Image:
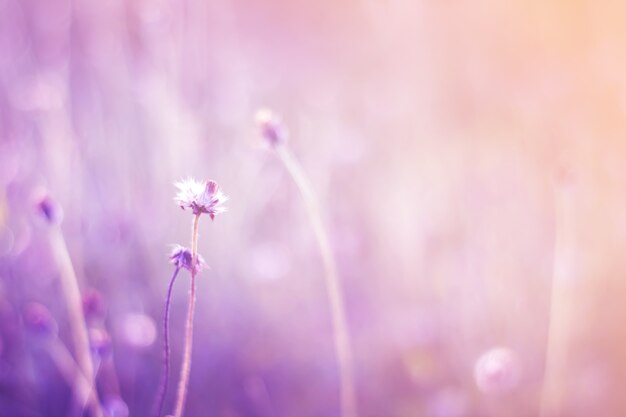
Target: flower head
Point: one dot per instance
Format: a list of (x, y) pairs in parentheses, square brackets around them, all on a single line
[(100, 342), (271, 127), (38, 319), (94, 305), (181, 258), (48, 208), (201, 197)]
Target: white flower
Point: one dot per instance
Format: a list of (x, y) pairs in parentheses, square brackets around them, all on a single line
[(201, 197)]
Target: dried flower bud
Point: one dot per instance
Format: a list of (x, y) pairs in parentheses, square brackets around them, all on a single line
[(38, 319), (94, 305), (48, 208), (271, 127), (100, 342), (181, 258)]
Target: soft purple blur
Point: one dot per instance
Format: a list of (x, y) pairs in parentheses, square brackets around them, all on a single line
[(469, 158)]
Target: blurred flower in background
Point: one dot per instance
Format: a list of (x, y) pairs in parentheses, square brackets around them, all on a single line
[(497, 370), (432, 134)]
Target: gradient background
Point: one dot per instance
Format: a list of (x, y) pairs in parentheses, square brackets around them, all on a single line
[(467, 155)]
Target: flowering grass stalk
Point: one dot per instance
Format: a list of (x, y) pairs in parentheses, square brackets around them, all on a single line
[(200, 197), (181, 257), (275, 134), (71, 292)]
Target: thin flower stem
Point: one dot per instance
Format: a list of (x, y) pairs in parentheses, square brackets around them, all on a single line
[(71, 292), (558, 324), (82, 388), (186, 366), (166, 345), (333, 286)]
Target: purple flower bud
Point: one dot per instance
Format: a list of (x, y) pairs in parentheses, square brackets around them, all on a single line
[(37, 319), (497, 370), (48, 209), (181, 258), (100, 342), (94, 305), (271, 128)]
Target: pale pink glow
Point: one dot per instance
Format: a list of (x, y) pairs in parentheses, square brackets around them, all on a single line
[(269, 262), (497, 370), (138, 330)]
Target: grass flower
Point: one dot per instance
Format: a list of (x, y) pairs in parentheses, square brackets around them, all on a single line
[(200, 197), (274, 133), (180, 257), (271, 127)]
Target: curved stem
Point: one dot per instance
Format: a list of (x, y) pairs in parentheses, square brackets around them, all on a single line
[(71, 292), (333, 286), (166, 346), (186, 366)]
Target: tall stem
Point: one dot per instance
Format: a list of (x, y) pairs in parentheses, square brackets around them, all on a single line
[(71, 292), (333, 286), (186, 366), (558, 321), (166, 346)]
